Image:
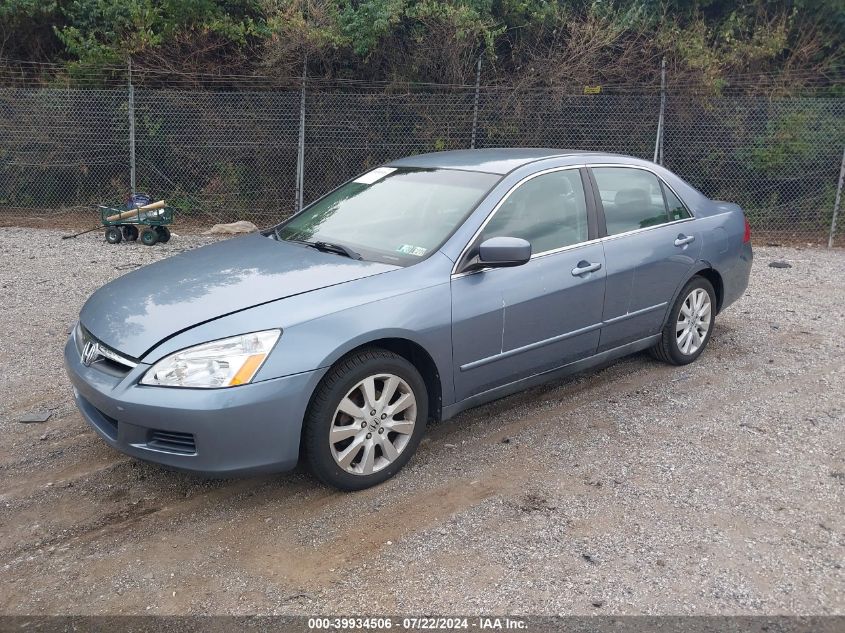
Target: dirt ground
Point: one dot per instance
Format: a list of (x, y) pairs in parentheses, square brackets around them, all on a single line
[(716, 488)]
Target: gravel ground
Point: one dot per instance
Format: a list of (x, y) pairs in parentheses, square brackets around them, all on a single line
[(716, 488)]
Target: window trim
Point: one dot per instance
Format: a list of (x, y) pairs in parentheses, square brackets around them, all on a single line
[(665, 201), (593, 226), (600, 207)]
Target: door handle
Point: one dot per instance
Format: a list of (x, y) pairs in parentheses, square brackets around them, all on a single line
[(683, 240), (585, 267)]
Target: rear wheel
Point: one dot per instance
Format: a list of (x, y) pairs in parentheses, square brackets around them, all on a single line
[(130, 232), (365, 420), (149, 237), (163, 234), (113, 235), (690, 324)]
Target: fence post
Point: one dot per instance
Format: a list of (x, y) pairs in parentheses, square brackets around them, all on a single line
[(131, 131), (837, 202), (300, 154), (475, 105), (658, 141)]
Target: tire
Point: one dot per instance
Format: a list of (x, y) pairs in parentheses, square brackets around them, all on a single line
[(679, 346), (149, 237), (130, 232), (113, 235), (163, 234), (368, 435)]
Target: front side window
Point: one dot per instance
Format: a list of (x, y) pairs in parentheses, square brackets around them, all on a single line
[(549, 211), (632, 199), (394, 215)]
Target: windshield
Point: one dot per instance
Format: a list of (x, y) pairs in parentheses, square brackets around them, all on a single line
[(393, 215)]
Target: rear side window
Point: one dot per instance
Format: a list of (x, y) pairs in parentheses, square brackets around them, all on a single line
[(677, 210), (632, 199), (549, 211)]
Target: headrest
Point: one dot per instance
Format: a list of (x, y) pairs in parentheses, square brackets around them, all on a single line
[(631, 196)]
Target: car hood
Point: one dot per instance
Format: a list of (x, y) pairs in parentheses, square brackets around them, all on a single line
[(134, 313)]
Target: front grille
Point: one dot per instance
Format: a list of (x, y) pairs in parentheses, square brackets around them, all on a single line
[(172, 442), (106, 358), (111, 367)]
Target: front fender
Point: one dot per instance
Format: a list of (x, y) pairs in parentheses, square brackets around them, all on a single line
[(422, 316)]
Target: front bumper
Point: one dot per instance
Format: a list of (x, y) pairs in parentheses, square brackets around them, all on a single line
[(219, 432)]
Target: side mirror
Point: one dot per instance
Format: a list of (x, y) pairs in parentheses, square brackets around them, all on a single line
[(501, 252)]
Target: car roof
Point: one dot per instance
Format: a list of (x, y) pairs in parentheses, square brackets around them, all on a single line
[(491, 160)]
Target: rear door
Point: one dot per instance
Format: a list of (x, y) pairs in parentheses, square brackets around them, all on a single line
[(651, 246), (510, 323)]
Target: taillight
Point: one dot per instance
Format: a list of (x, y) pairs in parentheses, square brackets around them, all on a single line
[(747, 235)]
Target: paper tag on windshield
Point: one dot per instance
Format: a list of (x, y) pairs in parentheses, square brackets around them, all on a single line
[(410, 249), (375, 175)]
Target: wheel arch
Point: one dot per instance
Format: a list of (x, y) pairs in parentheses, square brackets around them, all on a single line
[(412, 351), (701, 269), (712, 275)]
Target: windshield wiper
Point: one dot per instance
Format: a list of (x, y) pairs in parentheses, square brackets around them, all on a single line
[(326, 247), (340, 249), (329, 247)]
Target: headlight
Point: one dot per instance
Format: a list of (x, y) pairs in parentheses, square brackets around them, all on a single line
[(224, 363)]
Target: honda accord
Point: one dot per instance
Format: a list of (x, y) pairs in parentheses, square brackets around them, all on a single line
[(420, 288)]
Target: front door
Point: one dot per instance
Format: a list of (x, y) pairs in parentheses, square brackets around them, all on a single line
[(511, 323)]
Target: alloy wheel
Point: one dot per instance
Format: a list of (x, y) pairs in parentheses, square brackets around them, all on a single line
[(373, 424), (693, 321)]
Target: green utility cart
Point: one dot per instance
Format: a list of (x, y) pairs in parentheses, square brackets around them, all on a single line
[(123, 223)]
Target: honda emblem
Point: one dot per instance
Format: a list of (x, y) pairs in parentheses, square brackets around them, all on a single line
[(90, 353)]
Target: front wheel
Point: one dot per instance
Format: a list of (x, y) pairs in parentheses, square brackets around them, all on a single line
[(365, 420), (690, 324), (149, 237)]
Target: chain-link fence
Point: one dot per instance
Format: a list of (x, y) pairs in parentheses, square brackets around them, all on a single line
[(224, 155)]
